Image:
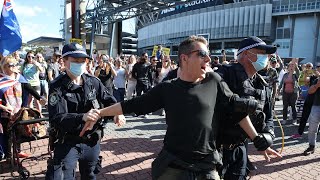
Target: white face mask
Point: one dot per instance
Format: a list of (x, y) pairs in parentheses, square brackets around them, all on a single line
[(261, 63), (77, 69)]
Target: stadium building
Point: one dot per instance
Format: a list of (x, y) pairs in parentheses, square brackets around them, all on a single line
[(293, 25)]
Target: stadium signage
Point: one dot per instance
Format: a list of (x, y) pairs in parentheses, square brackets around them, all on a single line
[(189, 6)]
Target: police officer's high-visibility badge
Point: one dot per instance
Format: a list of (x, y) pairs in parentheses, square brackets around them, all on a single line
[(53, 99)]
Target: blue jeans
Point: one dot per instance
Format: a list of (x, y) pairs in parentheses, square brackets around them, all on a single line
[(314, 120), (119, 94), (44, 89), (65, 161)]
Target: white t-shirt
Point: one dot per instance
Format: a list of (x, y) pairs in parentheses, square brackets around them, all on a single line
[(119, 80)]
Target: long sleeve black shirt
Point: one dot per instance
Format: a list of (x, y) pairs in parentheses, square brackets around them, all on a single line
[(190, 109)]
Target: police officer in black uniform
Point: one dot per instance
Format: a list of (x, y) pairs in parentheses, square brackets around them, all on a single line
[(244, 80), (73, 96)]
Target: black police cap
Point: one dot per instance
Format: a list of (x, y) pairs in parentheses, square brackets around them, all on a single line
[(74, 50), (257, 43)]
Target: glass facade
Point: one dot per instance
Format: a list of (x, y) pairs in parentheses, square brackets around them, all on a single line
[(295, 5)]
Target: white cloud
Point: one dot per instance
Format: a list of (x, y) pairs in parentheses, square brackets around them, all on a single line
[(29, 11), (31, 31)]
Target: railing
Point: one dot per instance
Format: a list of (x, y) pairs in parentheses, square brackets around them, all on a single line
[(295, 5)]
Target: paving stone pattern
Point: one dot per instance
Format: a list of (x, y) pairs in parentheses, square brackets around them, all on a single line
[(129, 151)]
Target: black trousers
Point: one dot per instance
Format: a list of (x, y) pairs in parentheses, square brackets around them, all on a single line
[(142, 88), (289, 99), (234, 163), (305, 113)]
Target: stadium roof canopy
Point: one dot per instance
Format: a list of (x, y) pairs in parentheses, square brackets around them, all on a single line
[(110, 11)]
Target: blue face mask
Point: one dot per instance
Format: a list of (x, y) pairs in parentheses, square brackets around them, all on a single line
[(77, 69), (261, 63)]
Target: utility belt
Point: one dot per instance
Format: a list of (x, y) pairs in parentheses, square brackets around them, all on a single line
[(166, 159), (90, 139), (232, 146), (189, 167)]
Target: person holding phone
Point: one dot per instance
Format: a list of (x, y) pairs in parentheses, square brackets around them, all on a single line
[(105, 72), (31, 70)]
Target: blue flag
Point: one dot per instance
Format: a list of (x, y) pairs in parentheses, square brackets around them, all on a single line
[(10, 36)]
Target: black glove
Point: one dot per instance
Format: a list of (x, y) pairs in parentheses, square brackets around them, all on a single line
[(262, 141), (270, 131)]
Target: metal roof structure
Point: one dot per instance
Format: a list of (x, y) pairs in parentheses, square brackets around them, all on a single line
[(111, 11), (46, 41)]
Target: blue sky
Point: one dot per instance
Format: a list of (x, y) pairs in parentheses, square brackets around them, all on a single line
[(42, 18), (38, 18)]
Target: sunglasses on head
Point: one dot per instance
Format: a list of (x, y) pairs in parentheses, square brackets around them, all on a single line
[(201, 53)]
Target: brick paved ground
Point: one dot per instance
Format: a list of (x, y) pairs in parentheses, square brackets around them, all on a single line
[(128, 152)]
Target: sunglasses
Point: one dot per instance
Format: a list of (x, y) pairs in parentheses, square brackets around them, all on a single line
[(11, 65), (274, 62), (201, 53), (30, 56)]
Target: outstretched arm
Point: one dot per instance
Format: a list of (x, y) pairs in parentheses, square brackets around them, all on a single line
[(113, 110), (259, 140)]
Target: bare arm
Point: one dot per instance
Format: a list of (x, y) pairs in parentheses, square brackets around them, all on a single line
[(113, 72), (314, 88), (50, 75), (113, 110), (97, 72), (247, 126)]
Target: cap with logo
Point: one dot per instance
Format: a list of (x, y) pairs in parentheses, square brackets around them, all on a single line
[(257, 43), (74, 50)]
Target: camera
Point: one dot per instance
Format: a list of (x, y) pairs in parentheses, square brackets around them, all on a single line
[(244, 105)]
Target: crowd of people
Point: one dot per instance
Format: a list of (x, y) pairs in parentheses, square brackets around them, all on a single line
[(193, 92)]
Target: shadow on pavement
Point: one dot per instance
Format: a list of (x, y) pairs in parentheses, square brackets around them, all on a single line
[(130, 158), (148, 120), (267, 169)]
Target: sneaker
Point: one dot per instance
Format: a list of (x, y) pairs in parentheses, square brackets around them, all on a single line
[(163, 113), (296, 136), (309, 150), (23, 155)]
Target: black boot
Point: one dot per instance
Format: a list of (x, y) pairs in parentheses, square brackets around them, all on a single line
[(309, 150), (251, 166)]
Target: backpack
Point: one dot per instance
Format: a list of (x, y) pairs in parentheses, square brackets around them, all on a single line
[(36, 130)]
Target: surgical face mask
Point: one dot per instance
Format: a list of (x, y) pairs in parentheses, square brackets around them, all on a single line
[(77, 69), (261, 63)]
